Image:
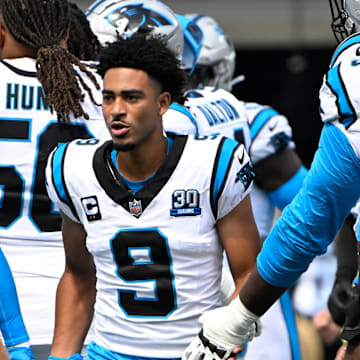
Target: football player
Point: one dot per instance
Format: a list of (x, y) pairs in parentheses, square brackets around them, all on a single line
[(313, 218), (46, 98), (146, 216), (211, 109), (210, 59)]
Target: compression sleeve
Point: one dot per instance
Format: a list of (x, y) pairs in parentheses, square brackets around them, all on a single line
[(11, 322), (310, 222), (283, 195)]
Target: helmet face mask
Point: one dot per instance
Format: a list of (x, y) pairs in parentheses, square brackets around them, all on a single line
[(345, 18), (217, 55), (112, 18)]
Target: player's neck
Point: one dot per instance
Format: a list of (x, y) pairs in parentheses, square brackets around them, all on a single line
[(14, 50), (142, 162)]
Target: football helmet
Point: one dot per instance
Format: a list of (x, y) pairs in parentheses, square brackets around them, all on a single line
[(193, 40), (110, 18), (216, 62), (345, 18)]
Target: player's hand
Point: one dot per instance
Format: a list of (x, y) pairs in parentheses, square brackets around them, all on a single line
[(225, 330), (339, 300)]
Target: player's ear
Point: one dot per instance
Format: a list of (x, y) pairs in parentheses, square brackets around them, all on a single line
[(164, 102)]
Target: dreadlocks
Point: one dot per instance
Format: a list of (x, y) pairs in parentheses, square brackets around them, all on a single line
[(82, 42), (42, 25)]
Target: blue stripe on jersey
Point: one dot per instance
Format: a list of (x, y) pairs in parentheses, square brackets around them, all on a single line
[(58, 159), (310, 222), (11, 322), (222, 166), (343, 46), (260, 120), (96, 352), (283, 195), (186, 112), (345, 108), (290, 320)]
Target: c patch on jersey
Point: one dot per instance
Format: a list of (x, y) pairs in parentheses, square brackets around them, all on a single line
[(91, 208), (185, 203), (135, 208)]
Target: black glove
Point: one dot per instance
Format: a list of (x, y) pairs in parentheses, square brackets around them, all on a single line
[(339, 299), (351, 327)]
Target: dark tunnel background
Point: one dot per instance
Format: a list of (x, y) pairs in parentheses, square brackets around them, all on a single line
[(289, 81)]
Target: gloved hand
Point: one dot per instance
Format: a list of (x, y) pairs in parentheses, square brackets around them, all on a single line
[(339, 300), (76, 356), (20, 353), (224, 329)]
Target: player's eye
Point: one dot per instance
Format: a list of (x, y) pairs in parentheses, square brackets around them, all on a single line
[(132, 97), (107, 98)]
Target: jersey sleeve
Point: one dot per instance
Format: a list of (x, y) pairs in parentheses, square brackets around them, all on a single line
[(232, 177), (55, 183), (270, 132), (179, 120), (339, 99), (311, 221)]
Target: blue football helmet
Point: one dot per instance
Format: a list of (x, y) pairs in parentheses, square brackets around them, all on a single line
[(111, 18), (193, 41), (216, 61)]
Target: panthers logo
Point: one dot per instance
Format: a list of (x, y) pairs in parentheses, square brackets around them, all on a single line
[(135, 18)]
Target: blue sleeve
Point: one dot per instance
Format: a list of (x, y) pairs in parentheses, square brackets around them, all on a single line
[(11, 323), (286, 192), (310, 222)]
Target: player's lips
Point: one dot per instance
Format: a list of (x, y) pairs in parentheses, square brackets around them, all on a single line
[(119, 128)]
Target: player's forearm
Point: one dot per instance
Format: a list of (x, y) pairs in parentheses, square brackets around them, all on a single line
[(11, 322), (75, 300), (258, 295), (3, 353)]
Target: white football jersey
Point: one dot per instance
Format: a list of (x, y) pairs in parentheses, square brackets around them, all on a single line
[(29, 223), (157, 255), (339, 93), (270, 131), (264, 132), (209, 111)]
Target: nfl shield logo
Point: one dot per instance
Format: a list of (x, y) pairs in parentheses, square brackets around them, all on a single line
[(135, 208)]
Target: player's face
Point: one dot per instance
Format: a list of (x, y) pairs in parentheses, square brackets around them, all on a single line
[(132, 106)]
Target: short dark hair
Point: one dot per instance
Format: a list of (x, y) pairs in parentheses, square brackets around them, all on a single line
[(149, 54), (42, 25)]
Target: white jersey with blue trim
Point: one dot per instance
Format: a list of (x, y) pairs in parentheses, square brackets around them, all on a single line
[(262, 129), (143, 309), (209, 111), (29, 223), (265, 133), (339, 93), (355, 211), (270, 131)]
